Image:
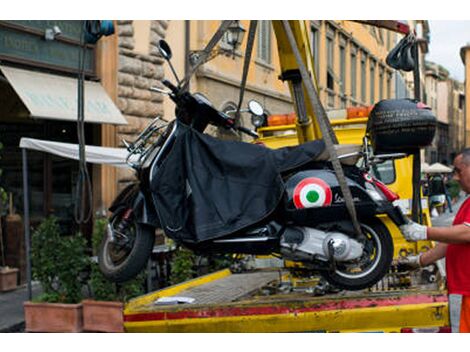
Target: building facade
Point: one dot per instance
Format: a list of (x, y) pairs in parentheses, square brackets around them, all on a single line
[(445, 96), (465, 56), (350, 63)]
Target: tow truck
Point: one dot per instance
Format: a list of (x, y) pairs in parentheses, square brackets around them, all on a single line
[(277, 299)]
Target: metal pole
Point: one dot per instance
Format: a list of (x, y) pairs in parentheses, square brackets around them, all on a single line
[(416, 209), (26, 222)]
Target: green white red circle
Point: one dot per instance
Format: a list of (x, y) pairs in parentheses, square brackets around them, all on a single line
[(312, 192)]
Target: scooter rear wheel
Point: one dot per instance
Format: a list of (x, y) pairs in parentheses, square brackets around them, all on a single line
[(125, 252), (372, 266)]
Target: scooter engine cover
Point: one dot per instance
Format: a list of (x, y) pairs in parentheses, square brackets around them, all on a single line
[(314, 196)]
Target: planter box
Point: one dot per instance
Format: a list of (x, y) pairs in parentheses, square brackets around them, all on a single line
[(8, 279), (53, 317), (103, 316)]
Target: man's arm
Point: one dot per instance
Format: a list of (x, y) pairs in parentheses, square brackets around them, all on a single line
[(452, 234), (433, 254)]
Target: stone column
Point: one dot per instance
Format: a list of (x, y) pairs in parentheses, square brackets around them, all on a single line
[(137, 72)]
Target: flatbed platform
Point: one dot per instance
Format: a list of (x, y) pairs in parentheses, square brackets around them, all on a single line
[(225, 302)]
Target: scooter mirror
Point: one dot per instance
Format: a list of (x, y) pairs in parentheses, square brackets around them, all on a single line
[(255, 108), (164, 49)]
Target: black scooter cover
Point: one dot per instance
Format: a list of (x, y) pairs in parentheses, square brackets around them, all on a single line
[(207, 188)]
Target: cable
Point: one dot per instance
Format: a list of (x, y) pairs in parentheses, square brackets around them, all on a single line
[(84, 196)]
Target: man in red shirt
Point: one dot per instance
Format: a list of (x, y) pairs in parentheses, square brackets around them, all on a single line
[(454, 243)]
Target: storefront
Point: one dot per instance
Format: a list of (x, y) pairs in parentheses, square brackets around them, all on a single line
[(39, 63)]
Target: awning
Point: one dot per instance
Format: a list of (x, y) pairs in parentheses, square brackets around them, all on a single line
[(53, 97), (96, 155)]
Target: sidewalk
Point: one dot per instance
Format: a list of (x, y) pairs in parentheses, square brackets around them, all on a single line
[(11, 308)]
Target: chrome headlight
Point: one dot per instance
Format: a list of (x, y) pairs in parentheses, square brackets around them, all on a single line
[(258, 121)]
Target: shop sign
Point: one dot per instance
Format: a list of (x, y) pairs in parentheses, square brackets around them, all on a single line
[(23, 42)]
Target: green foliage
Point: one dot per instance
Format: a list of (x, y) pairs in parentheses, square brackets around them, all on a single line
[(185, 265), (102, 289), (57, 262), (220, 262), (453, 188), (105, 290), (99, 230), (182, 266)]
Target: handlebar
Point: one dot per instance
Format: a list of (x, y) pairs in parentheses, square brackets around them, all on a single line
[(170, 85)]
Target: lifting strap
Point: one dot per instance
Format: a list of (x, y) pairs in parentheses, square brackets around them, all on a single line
[(325, 128), (204, 54), (246, 65)]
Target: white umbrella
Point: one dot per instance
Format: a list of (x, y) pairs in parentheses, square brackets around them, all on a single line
[(424, 166), (438, 168)]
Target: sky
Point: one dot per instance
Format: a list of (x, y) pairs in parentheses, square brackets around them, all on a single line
[(447, 37)]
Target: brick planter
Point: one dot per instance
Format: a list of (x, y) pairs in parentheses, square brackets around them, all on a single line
[(53, 317), (8, 279), (103, 316)]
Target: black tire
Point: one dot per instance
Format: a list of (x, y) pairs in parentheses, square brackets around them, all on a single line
[(122, 260), (378, 255)]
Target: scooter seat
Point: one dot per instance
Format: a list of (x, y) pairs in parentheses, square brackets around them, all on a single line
[(289, 158), (348, 154)]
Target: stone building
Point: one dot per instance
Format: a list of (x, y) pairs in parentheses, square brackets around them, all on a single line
[(465, 56), (445, 97)]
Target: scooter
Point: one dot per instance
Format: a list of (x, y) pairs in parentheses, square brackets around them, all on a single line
[(215, 196)]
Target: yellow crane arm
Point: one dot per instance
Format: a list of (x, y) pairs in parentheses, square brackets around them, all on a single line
[(307, 125)]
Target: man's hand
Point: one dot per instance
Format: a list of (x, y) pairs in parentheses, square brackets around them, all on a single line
[(411, 262), (414, 232)]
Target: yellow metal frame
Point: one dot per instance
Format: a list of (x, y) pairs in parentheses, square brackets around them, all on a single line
[(310, 130), (374, 319)]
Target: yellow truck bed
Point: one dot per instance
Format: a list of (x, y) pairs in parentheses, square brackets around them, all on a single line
[(225, 302)]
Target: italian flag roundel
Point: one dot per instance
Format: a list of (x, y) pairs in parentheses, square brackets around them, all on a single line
[(312, 192)]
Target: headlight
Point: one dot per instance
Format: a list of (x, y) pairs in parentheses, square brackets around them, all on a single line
[(258, 121)]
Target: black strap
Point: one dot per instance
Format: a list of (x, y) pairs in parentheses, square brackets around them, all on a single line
[(325, 128), (401, 56), (246, 64), (206, 52)]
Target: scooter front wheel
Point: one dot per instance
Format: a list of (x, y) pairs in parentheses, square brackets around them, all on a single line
[(125, 248), (372, 266)]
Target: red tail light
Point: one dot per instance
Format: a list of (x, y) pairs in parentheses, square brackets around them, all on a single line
[(389, 194)]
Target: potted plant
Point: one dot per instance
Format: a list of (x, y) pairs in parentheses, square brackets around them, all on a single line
[(104, 312), (57, 263)]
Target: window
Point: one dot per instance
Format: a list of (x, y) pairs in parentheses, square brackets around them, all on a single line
[(353, 72), (316, 48), (264, 41), (372, 82), (52, 179), (342, 68), (329, 63), (385, 171), (381, 82), (363, 77)]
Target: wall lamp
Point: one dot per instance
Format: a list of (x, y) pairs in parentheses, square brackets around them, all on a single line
[(52, 33), (230, 42)]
